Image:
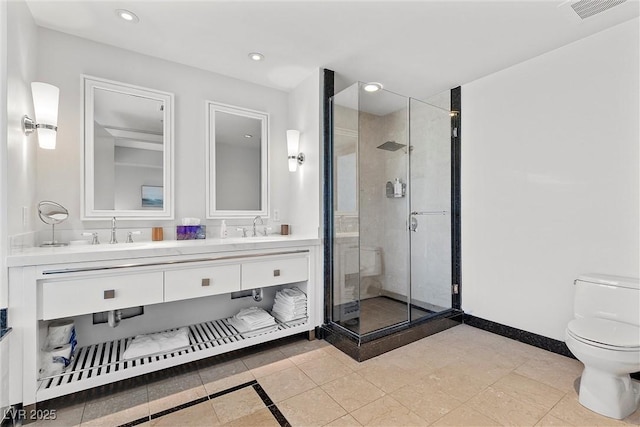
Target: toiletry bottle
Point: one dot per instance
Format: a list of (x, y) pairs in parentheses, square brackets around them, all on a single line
[(397, 188), (223, 229)]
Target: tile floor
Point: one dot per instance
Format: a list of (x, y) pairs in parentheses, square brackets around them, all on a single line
[(460, 377)]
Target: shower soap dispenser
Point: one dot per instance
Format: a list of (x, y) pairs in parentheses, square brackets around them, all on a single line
[(397, 188)]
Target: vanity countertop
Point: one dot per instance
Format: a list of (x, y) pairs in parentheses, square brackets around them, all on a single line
[(107, 252)]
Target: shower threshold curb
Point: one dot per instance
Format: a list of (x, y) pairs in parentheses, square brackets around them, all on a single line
[(362, 348)]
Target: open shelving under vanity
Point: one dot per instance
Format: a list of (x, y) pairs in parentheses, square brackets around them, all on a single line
[(197, 285)]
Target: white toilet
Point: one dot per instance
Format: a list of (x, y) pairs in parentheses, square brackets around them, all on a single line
[(605, 337)]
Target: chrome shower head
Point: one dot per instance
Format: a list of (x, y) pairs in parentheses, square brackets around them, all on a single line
[(391, 146)]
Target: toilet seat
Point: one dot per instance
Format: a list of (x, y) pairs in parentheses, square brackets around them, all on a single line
[(605, 333)]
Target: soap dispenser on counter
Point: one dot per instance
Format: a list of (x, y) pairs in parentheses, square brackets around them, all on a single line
[(223, 229)]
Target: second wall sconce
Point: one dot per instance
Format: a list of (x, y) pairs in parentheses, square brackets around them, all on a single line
[(45, 105), (293, 147)]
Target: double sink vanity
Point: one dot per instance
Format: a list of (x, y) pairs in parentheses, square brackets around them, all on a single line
[(197, 283)]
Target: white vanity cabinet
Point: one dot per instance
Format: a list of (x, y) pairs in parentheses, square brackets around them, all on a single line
[(202, 281), (190, 281), (83, 295)]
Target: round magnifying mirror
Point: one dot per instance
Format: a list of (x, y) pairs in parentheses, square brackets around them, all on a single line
[(52, 213)]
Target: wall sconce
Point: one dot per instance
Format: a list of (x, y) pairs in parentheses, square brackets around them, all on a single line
[(293, 145), (45, 104)]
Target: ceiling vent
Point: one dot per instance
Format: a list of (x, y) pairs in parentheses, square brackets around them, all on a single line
[(588, 8)]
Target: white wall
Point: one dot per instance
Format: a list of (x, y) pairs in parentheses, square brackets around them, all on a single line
[(18, 152), (550, 180), (4, 289), (63, 58), (304, 213)]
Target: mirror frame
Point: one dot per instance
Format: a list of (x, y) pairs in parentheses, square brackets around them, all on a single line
[(212, 211), (87, 182)]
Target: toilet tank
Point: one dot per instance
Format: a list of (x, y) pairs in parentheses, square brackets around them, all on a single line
[(608, 297)]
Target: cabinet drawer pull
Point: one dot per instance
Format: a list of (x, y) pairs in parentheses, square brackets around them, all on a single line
[(276, 273), (205, 282), (110, 294)]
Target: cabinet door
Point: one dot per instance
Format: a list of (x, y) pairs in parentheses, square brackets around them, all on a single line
[(201, 282), (274, 272), (77, 296)]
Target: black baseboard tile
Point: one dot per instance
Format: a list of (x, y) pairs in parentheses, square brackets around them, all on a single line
[(530, 338)]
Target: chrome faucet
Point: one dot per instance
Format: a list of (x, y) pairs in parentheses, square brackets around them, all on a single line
[(254, 225), (113, 231)]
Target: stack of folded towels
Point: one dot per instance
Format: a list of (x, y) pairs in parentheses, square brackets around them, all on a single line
[(253, 321), (290, 304)]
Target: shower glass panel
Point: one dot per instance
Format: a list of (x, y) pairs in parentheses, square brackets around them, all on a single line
[(391, 171), (371, 241), (430, 218)]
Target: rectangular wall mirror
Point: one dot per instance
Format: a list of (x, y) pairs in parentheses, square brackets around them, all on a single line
[(237, 162), (128, 151)]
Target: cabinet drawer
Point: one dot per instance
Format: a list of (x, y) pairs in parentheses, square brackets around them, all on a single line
[(274, 272), (96, 294), (201, 282)]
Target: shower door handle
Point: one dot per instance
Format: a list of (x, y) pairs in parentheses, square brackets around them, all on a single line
[(413, 223)]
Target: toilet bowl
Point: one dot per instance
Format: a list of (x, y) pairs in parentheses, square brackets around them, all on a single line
[(605, 337)]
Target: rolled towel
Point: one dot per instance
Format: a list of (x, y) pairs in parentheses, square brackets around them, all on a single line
[(161, 342)]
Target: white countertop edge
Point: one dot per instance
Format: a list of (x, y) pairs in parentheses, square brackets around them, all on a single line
[(106, 252)]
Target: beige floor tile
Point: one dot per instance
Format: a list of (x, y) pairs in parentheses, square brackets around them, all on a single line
[(529, 391), (237, 404), (346, 421), (555, 370), (465, 416), (426, 402), (324, 369), (411, 360), (455, 382), (551, 421), (285, 384), (260, 418), (198, 415), (171, 392), (267, 362), (505, 409), (117, 408), (387, 411), (387, 377), (572, 412), (343, 358), (305, 350), (311, 408), (224, 376), (352, 391)]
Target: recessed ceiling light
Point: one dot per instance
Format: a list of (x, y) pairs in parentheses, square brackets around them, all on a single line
[(372, 87), (256, 56), (127, 15), (248, 136)]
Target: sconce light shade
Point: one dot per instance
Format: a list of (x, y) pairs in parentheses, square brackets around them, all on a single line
[(45, 104), (293, 146)]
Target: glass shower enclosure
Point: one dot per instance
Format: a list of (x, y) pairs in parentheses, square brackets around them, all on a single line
[(392, 203)]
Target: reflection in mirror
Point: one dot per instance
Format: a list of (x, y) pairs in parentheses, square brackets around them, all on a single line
[(237, 162), (52, 213), (127, 151), (345, 144)]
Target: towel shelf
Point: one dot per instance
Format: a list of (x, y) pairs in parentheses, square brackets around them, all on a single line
[(102, 363)]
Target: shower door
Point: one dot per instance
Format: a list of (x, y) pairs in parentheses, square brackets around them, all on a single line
[(430, 207)]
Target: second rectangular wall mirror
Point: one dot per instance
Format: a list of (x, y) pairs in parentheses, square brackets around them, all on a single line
[(128, 151), (237, 162)]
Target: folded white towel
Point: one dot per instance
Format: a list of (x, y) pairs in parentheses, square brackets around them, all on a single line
[(247, 331), (255, 317), (161, 342)]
